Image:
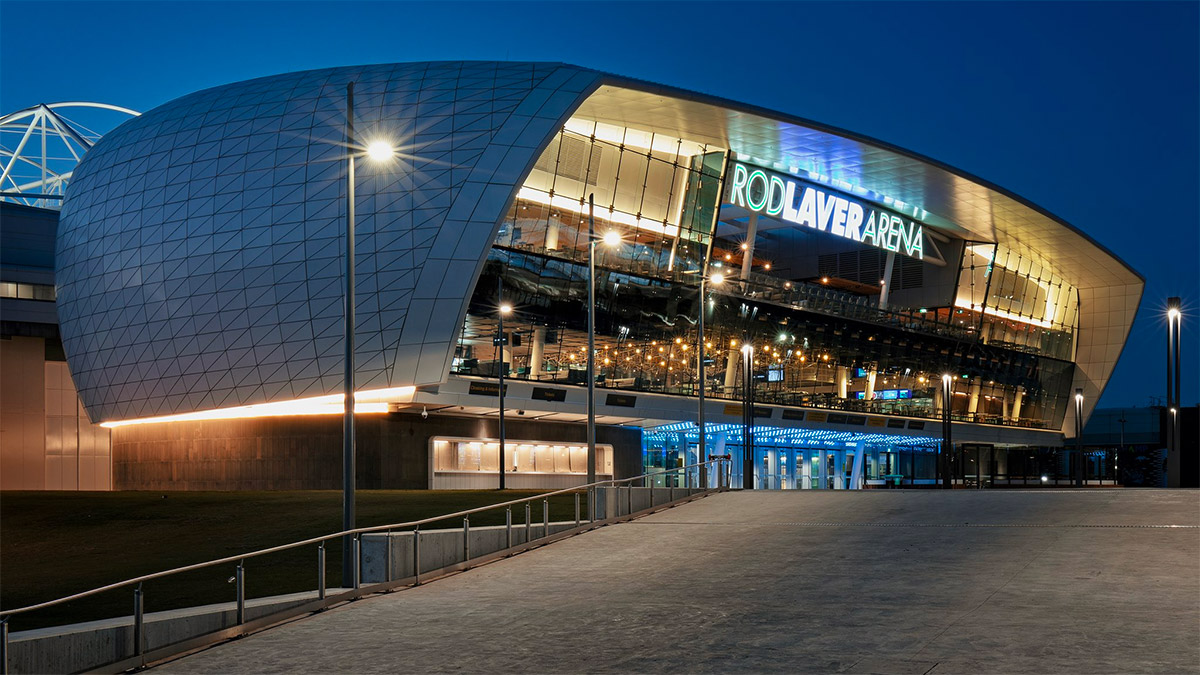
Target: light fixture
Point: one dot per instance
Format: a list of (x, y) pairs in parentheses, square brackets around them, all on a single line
[(380, 151), (611, 238), (505, 309), (717, 278)]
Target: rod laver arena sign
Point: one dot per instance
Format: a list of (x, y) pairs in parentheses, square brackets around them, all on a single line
[(795, 201)]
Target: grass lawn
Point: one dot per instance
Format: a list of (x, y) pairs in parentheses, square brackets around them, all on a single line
[(54, 544)]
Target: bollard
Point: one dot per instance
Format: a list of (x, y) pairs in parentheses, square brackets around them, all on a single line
[(357, 571), (466, 539), (241, 592), (417, 556), (508, 527), (546, 517), (576, 509), (321, 571), (138, 603)]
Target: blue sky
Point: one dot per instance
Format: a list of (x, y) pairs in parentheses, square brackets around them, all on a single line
[(1088, 109)]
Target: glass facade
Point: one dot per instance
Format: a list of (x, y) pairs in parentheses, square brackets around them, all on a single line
[(1005, 331)]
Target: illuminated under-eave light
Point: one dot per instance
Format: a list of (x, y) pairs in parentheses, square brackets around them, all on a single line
[(1003, 314), (365, 402)]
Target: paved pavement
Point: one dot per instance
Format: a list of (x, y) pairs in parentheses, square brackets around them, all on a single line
[(1089, 581)]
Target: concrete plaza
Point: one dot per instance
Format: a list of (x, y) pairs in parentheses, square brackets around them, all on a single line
[(1045, 581)]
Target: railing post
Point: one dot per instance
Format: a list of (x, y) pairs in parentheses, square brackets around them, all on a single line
[(357, 559), (528, 523), (466, 539), (592, 492), (508, 527), (576, 509), (671, 494), (546, 517), (139, 643), (240, 582), (630, 512), (387, 556), (417, 556), (4, 646), (321, 571)]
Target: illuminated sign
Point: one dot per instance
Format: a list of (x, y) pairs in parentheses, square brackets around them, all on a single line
[(886, 394), (795, 201)]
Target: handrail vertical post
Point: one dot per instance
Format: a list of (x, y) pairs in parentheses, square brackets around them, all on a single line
[(387, 556), (417, 556), (546, 517), (528, 523), (466, 539), (576, 509), (592, 492), (138, 605), (241, 592), (508, 527), (630, 500), (357, 560), (321, 571), (4, 646)]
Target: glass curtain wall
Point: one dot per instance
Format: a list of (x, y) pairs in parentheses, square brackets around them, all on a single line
[(661, 195)]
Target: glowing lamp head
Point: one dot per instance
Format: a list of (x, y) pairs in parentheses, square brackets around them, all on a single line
[(1173, 313), (747, 349), (506, 309), (717, 278), (380, 151), (946, 379), (611, 238)]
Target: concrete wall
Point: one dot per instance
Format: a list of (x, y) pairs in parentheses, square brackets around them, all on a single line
[(305, 452), (46, 439)]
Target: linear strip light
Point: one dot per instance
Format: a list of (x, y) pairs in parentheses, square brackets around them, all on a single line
[(1003, 314), (372, 401)]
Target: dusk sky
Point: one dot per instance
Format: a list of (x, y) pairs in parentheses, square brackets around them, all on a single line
[(1089, 110)]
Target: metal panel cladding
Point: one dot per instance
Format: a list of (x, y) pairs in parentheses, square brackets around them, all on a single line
[(199, 251)]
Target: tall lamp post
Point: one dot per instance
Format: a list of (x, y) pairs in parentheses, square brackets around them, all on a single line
[(378, 151), (501, 340), (1079, 437), (747, 414), (947, 441), (702, 449), (1174, 317), (610, 238)]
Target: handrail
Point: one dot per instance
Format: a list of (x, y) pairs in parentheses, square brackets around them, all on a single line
[(8, 613)]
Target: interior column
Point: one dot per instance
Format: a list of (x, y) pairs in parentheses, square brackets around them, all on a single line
[(537, 352), (872, 373), (843, 380), (748, 254), (973, 392)]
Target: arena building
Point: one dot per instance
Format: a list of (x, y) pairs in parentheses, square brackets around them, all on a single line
[(200, 285)]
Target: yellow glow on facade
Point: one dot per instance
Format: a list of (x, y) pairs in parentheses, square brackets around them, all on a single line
[(373, 401)]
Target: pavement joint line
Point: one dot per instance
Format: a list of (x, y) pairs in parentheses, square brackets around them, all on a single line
[(999, 525)]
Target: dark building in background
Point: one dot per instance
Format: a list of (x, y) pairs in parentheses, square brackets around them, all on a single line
[(1129, 445)]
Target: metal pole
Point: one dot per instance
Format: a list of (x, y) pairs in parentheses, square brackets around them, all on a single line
[(321, 571), (947, 441), (139, 643), (591, 336), (747, 414), (508, 527), (702, 448), (592, 504), (4, 646), (241, 592), (1176, 403), (466, 538), (546, 517), (1079, 437), (576, 509), (357, 560), (348, 477), (500, 367), (417, 556), (528, 523)]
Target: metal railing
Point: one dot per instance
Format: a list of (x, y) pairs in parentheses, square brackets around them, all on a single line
[(721, 469)]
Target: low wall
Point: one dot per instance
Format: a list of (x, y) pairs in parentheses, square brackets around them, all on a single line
[(440, 548), (86, 646)]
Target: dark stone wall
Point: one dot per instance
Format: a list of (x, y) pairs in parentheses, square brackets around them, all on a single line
[(305, 452)]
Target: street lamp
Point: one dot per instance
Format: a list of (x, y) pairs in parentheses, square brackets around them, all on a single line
[(378, 151), (702, 450), (947, 441), (1174, 320), (500, 341), (1079, 436), (747, 415), (611, 238)]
